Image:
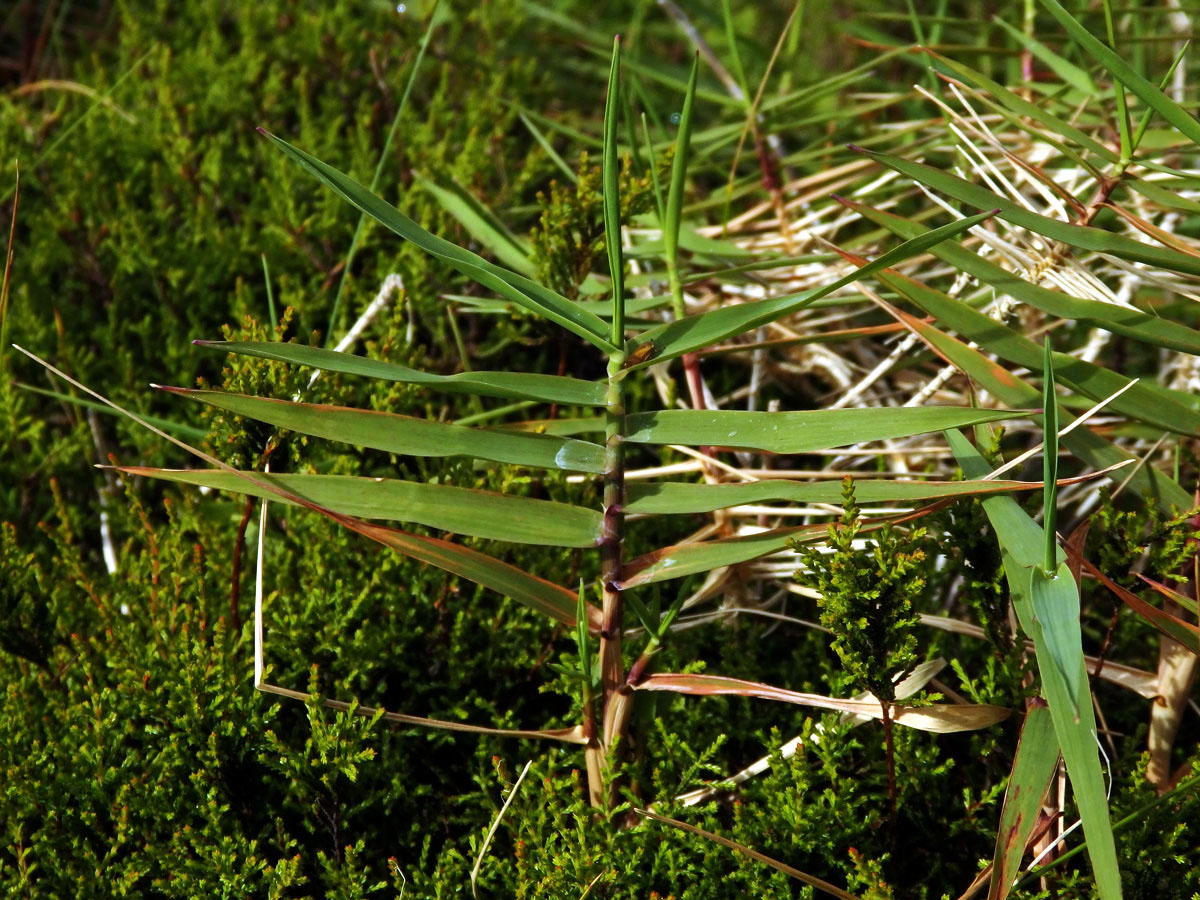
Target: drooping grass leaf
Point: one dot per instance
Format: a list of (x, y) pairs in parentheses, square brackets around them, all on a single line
[(1036, 759), (1047, 607), (407, 435), (509, 385), (465, 511), (938, 718), (1080, 237), (799, 432), (513, 287), (695, 332)]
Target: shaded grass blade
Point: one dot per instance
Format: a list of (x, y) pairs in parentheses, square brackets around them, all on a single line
[(482, 225), (474, 513), (409, 436), (508, 385)]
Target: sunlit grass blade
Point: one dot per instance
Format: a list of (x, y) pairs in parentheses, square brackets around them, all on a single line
[(674, 206), (513, 287), (1067, 71), (1082, 442), (611, 176), (474, 513), (536, 593), (1036, 759), (680, 560), (799, 432), (675, 497), (1143, 401), (1048, 610), (508, 385), (407, 435), (1117, 319), (940, 718), (1049, 456), (1112, 62), (695, 332), (1025, 109), (1080, 237), (482, 225), (803, 877)]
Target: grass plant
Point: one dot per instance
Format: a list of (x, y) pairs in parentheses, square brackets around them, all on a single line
[(637, 462)]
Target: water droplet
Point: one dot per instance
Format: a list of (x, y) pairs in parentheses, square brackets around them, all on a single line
[(401, 8), (675, 117)]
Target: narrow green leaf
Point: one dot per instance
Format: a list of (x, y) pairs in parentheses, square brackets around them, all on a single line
[(1055, 603), (464, 511), (674, 208), (1036, 759), (1121, 70), (1117, 319), (1049, 456), (513, 287), (482, 224), (1082, 442), (799, 432), (1024, 109), (611, 174), (1067, 71), (1051, 618), (676, 338), (509, 385), (690, 559), (409, 436), (675, 498), (1080, 237)]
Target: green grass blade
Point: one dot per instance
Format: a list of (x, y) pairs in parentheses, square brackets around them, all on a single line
[(474, 513), (1049, 455), (674, 208), (409, 436), (1082, 442), (1047, 607), (693, 558), (1067, 71), (1119, 320), (611, 175), (508, 385), (1146, 90), (482, 225), (695, 332), (1080, 237), (799, 432), (513, 287), (1037, 757), (678, 498)]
